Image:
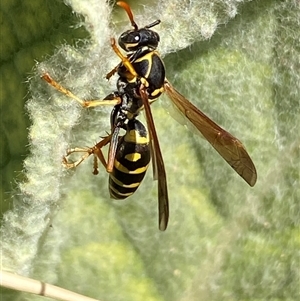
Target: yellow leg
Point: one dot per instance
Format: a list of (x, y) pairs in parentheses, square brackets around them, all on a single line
[(113, 71), (84, 103), (95, 150), (68, 164), (124, 59)]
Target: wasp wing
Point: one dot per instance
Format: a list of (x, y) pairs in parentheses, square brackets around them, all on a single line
[(159, 167), (229, 147)]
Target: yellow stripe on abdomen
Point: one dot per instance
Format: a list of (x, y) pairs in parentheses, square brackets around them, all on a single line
[(116, 181), (124, 169), (119, 195), (133, 136)]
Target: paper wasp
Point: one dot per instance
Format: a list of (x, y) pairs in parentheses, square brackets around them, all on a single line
[(141, 81)]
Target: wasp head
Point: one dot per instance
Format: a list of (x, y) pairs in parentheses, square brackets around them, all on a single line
[(132, 40)]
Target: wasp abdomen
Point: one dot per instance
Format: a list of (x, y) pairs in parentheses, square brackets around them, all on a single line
[(131, 161)]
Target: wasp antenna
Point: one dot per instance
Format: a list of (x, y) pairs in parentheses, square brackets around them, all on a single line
[(129, 13), (156, 22)]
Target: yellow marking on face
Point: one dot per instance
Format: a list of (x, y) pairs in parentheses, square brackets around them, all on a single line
[(122, 168), (132, 185), (130, 45), (133, 157), (133, 136)]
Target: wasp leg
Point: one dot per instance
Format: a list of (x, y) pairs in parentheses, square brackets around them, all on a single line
[(95, 150), (85, 103), (68, 164), (127, 64), (124, 59), (112, 72), (98, 153)]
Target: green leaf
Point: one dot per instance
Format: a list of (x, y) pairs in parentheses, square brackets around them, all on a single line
[(236, 61)]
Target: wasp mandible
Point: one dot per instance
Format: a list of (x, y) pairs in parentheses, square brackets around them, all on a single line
[(141, 81)]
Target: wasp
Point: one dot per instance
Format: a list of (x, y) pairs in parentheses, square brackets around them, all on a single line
[(141, 81)]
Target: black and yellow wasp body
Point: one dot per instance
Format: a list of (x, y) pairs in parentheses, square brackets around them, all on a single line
[(151, 70), (141, 46), (132, 153), (131, 160), (141, 81)]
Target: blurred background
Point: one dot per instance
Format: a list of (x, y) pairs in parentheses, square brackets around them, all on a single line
[(30, 31)]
